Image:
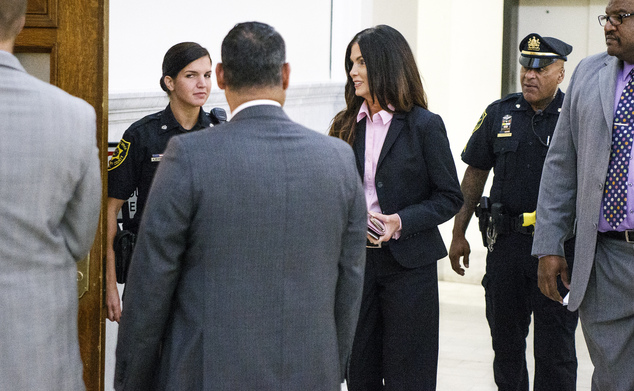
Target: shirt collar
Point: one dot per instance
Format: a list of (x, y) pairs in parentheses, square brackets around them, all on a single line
[(255, 102), (627, 67), (364, 112), (9, 60), (169, 122)]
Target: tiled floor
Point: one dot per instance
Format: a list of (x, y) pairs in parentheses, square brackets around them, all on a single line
[(466, 357), (465, 344)]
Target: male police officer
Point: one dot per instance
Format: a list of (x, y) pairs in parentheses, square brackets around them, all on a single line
[(512, 137)]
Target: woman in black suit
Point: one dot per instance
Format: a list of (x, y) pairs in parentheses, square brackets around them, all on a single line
[(411, 187)]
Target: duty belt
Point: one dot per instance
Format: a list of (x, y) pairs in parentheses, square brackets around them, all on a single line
[(494, 220), (514, 224)]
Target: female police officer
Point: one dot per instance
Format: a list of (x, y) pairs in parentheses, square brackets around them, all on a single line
[(187, 80)]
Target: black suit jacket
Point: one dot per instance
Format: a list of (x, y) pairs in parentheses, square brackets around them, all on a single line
[(416, 178)]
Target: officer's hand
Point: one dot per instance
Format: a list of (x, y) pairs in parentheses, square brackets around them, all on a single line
[(551, 266), (113, 303), (459, 248)]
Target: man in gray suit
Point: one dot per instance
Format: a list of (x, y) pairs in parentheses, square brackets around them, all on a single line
[(248, 269), (581, 192), (50, 195)]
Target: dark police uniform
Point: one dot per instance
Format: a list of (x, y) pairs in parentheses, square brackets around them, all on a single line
[(513, 140), (139, 152)]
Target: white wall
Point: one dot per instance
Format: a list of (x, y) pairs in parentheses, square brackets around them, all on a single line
[(460, 58), (141, 31), (400, 14), (348, 18)]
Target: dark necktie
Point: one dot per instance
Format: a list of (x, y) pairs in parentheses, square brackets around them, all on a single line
[(615, 196)]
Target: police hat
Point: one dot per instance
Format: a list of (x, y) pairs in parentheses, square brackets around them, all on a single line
[(538, 52)]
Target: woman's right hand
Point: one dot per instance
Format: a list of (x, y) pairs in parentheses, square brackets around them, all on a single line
[(392, 224)]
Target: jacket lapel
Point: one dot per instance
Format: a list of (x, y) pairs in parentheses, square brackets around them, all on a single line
[(398, 121), (359, 147), (607, 78)]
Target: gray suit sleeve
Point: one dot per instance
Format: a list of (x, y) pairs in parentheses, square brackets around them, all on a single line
[(558, 187), (351, 268), (79, 222)]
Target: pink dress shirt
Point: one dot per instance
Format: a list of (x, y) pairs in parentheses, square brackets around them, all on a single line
[(375, 132)]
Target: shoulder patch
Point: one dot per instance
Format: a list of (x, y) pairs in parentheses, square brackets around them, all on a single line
[(119, 154), (482, 117)]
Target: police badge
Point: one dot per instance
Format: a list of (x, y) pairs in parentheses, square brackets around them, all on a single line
[(505, 130)]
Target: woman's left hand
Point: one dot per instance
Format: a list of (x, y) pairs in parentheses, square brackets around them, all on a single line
[(392, 224)]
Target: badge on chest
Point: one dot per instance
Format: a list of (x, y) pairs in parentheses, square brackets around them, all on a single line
[(505, 129), (156, 157)]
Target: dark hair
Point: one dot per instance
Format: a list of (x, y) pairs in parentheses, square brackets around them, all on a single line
[(10, 12), (393, 77), (178, 57), (252, 56)]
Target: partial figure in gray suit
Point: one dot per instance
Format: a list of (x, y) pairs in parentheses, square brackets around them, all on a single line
[(50, 195), (248, 269), (584, 190)]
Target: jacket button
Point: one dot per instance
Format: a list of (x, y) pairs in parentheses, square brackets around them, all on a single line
[(379, 184)]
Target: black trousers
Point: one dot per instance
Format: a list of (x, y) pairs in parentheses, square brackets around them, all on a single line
[(512, 295), (396, 341)]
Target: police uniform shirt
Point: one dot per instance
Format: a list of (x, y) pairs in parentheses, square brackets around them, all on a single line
[(512, 139), (138, 154)]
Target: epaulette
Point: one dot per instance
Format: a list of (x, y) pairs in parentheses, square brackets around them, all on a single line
[(145, 120), (512, 96)]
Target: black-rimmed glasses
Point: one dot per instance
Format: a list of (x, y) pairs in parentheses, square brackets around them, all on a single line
[(615, 20)]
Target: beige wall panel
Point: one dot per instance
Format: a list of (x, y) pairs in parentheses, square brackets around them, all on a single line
[(460, 58)]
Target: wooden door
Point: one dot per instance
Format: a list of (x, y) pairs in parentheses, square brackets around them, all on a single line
[(67, 40)]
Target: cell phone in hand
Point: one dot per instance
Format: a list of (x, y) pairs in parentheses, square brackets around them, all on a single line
[(376, 228)]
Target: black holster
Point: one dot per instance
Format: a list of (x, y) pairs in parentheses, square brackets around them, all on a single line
[(123, 246), (483, 213)]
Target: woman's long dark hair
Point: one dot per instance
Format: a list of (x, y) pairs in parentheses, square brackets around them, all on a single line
[(393, 77)]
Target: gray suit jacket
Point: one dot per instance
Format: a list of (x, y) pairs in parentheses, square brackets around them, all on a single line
[(50, 195), (574, 174), (248, 269)]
